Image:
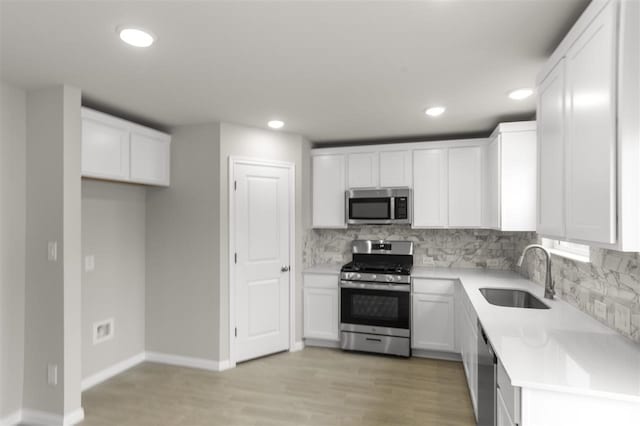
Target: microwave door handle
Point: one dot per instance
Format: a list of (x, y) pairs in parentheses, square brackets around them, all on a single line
[(346, 207), (392, 216)]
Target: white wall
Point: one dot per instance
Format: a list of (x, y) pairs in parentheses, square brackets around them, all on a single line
[(53, 213), (12, 246), (248, 142), (182, 249), (114, 232)]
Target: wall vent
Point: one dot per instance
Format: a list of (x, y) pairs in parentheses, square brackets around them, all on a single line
[(102, 331)]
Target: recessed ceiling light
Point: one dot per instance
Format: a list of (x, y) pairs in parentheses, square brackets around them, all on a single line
[(136, 37), (435, 111), (520, 94), (275, 124)]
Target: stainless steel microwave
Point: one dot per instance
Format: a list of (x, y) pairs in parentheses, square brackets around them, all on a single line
[(378, 206)]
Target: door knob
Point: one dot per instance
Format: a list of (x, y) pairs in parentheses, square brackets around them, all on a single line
[(284, 268)]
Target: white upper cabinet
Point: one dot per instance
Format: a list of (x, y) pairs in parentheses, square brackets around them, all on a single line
[(379, 169), (150, 155), (116, 149), (328, 181), (510, 178), (395, 168), (105, 147), (465, 187), (363, 170), (591, 132), (491, 207), (430, 188), (551, 136)]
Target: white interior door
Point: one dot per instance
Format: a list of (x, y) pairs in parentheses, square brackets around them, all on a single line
[(262, 247)]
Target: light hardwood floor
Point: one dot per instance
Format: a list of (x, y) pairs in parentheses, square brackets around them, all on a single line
[(312, 387)]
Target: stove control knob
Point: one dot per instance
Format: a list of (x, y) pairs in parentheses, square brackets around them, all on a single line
[(389, 278), (374, 276)]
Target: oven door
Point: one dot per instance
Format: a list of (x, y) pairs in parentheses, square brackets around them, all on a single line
[(375, 308)]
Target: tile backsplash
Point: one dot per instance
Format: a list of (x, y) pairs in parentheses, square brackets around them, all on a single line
[(612, 277), (449, 248)]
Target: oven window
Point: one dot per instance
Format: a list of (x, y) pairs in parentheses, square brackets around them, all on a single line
[(375, 307), (370, 208)]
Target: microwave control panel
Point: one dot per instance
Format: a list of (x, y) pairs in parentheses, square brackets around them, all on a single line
[(401, 207)]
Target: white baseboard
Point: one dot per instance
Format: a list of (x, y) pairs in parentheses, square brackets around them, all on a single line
[(446, 356), (297, 346), (40, 418), (224, 365), (12, 419), (322, 343), (185, 361), (43, 418), (114, 370), (73, 417)]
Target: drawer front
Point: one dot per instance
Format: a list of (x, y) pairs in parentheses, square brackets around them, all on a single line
[(433, 286), (510, 394), (320, 280)]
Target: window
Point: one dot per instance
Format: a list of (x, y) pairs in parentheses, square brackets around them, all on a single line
[(578, 252)]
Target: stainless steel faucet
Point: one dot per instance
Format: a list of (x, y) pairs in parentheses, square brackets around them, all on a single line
[(549, 286)]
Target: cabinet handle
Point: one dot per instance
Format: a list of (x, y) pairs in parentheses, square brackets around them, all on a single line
[(373, 340)]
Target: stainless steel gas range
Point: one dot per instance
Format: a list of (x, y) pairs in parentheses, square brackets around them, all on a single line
[(375, 298)]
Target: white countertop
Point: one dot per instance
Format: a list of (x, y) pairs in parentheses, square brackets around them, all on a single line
[(559, 349)]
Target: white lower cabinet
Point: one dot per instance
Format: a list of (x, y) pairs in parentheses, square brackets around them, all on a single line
[(468, 342), (433, 315), (321, 307)]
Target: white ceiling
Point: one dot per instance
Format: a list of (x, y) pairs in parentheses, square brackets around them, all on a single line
[(333, 71)]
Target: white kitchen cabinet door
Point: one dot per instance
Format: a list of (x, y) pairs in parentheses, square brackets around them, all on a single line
[(433, 322), (551, 144), (430, 188), (518, 181), (321, 313), (465, 187), (395, 169), (329, 191), (591, 132), (150, 156), (105, 147), (492, 190), (362, 170)]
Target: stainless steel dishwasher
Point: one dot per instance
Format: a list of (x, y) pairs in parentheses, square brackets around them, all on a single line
[(487, 376)]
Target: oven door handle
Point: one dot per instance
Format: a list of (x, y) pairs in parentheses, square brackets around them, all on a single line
[(367, 286)]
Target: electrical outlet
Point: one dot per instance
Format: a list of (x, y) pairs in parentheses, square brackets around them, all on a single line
[(493, 263), (52, 251), (89, 263), (103, 331), (52, 374), (623, 319), (600, 309), (427, 261)]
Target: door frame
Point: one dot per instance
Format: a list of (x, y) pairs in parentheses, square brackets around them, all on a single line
[(233, 162)]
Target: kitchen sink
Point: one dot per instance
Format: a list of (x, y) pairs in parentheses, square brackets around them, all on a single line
[(512, 298)]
